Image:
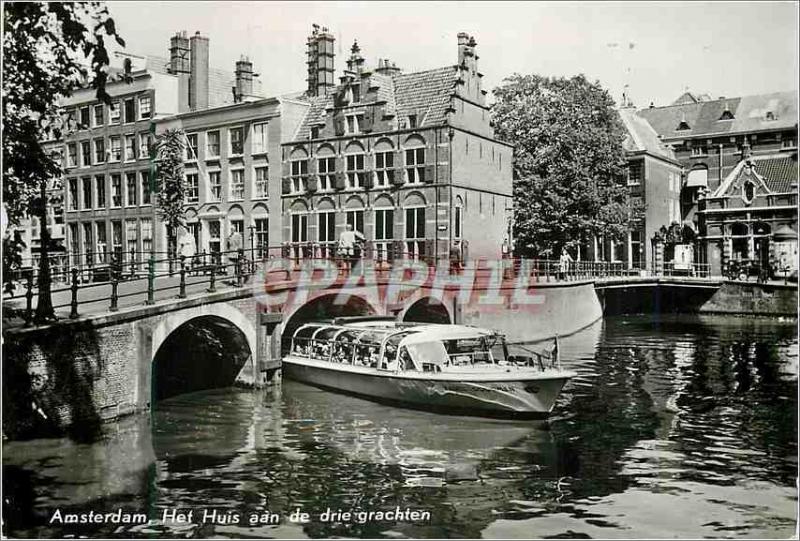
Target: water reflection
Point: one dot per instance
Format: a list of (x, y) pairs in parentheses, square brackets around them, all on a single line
[(674, 426)]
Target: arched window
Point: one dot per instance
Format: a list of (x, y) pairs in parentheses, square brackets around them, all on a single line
[(748, 191), (326, 168), (298, 170), (384, 163), (458, 217)]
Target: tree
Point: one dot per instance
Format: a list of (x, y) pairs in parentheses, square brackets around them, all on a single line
[(568, 161), (46, 48), (170, 185)]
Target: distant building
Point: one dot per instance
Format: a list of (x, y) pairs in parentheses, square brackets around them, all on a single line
[(407, 159)]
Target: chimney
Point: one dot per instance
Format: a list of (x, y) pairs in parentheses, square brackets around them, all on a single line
[(179, 64), (466, 51), (198, 81), (244, 79), (320, 58), (386, 68)]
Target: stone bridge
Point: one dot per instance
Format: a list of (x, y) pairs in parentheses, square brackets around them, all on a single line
[(77, 373)]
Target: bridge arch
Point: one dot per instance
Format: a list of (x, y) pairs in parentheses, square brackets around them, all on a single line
[(180, 363), (428, 310), (326, 306)]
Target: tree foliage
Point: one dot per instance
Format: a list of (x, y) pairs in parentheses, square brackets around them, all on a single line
[(170, 185), (568, 161), (49, 49)]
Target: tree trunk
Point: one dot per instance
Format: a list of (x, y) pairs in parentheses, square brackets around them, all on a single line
[(44, 306)]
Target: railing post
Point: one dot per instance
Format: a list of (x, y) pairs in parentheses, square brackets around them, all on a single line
[(133, 262), (114, 292), (29, 299), (212, 285), (238, 267), (73, 313), (151, 278), (182, 290)]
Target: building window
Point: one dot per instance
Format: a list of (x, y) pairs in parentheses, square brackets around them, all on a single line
[(237, 184), (790, 142), (326, 230), (415, 232), (73, 243), (116, 191), (699, 151), (144, 107), (131, 236), (72, 155), (144, 146), (326, 168), (298, 170), (98, 116), (130, 148), (192, 188), (384, 232), (262, 182), (132, 189), (214, 236), (130, 112), (634, 173), (355, 171), (457, 221), (88, 245), (84, 118), (315, 132), (116, 238), (353, 123), (100, 191), (116, 148), (215, 186), (355, 93), (102, 242), (237, 142), (113, 113), (412, 121), (86, 184), (191, 147), (355, 218), (144, 182), (259, 138), (262, 236), (212, 141), (415, 165), (147, 234), (299, 228), (99, 150), (683, 125), (86, 154), (384, 168)]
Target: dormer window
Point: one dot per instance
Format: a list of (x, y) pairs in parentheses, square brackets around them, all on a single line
[(353, 123), (355, 94), (683, 126), (412, 121), (770, 115), (315, 132), (748, 191), (726, 114)]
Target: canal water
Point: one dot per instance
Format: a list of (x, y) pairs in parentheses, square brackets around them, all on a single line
[(677, 426)]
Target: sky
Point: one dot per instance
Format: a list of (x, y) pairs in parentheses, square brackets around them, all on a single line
[(659, 49)]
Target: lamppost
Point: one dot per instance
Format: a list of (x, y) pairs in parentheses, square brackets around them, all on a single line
[(252, 229)]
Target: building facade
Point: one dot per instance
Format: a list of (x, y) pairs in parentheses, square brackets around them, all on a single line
[(407, 159)]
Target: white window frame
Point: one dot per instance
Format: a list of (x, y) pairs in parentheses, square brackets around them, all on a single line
[(208, 144), (84, 164), (115, 112), (383, 244), (129, 136), (143, 179), (192, 151), (111, 157), (631, 180), (327, 178), (230, 141), (102, 155), (126, 188), (94, 115), (72, 158), (417, 167), (297, 178), (256, 183), (355, 177), (127, 120), (413, 244), (102, 182), (383, 174), (259, 145), (234, 186), (144, 146), (141, 112), (354, 127), (121, 191), (211, 197), (193, 187)]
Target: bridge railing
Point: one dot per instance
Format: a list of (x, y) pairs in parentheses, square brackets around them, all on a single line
[(136, 277)]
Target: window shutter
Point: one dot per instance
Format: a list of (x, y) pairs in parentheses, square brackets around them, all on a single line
[(430, 177), (369, 180), (286, 185), (340, 181), (399, 176), (338, 124), (369, 120), (312, 166), (311, 183), (396, 250)]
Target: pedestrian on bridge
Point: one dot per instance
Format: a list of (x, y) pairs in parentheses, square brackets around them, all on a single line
[(564, 264), (348, 241)]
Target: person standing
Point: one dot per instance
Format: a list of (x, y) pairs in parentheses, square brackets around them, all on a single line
[(347, 244), (564, 263), (234, 248)]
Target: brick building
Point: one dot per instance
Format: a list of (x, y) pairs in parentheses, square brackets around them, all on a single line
[(408, 159), (739, 157), (107, 204)]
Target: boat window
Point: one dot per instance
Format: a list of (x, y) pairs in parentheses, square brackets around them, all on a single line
[(389, 359), (301, 342), (466, 351), (367, 355), (405, 360), (429, 355)]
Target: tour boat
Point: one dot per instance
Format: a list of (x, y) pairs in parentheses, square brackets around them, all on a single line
[(449, 368)]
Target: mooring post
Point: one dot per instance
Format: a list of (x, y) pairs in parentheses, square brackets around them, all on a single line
[(267, 361)]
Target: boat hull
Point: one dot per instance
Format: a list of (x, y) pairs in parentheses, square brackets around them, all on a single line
[(526, 397)]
